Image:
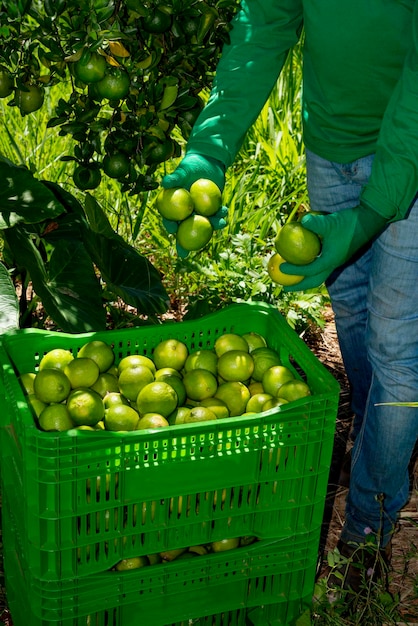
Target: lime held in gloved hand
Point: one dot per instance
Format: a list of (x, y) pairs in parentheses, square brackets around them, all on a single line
[(192, 215), (294, 244), (277, 276), (175, 204)]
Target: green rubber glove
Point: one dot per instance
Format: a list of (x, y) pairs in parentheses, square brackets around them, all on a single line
[(193, 167), (342, 233)]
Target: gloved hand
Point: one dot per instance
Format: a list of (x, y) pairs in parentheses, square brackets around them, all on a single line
[(193, 167), (343, 233), (218, 222), (190, 169)]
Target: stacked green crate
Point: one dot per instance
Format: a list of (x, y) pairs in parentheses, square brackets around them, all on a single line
[(78, 502)]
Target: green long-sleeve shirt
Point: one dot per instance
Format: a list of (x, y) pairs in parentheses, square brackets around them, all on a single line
[(360, 87)]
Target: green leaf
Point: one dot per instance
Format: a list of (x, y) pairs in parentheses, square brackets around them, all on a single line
[(67, 285), (9, 304), (97, 218), (410, 404), (127, 273), (23, 199), (68, 201)]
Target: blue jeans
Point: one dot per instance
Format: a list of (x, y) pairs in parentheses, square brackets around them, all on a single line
[(375, 302)]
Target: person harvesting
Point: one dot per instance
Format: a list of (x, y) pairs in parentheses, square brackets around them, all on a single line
[(360, 117)]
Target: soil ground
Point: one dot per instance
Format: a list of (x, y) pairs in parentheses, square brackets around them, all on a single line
[(404, 578)]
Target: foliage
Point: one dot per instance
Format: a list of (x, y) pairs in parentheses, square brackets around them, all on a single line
[(164, 54), (9, 305), (59, 244), (265, 186)]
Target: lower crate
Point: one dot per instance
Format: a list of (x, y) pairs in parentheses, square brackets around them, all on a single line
[(269, 582)]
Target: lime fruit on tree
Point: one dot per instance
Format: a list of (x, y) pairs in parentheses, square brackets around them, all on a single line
[(296, 244), (29, 98), (51, 385), (175, 204), (91, 68), (86, 177), (277, 276), (207, 197), (194, 233), (6, 82), (55, 417), (157, 397), (156, 21), (116, 165), (85, 407), (98, 351), (114, 85), (160, 152)]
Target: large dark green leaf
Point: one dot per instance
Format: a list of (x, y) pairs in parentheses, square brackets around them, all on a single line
[(23, 198), (9, 305), (97, 217), (127, 273), (67, 286), (68, 201)]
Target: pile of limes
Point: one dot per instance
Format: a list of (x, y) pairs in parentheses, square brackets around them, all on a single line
[(295, 244), (191, 210), (182, 554), (240, 375)]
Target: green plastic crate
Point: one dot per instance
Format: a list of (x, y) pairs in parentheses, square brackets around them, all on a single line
[(269, 582), (85, 500)]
